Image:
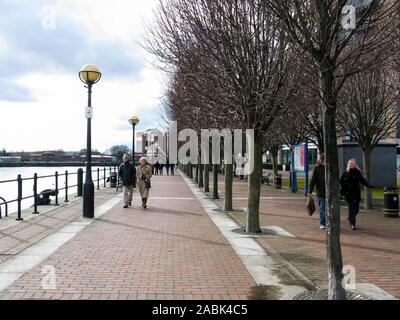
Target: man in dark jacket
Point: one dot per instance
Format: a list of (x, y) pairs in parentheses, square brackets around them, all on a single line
[(318, 182), (127, 174), (350, 188)]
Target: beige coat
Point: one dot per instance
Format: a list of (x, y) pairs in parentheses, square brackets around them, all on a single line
[(141, 173)]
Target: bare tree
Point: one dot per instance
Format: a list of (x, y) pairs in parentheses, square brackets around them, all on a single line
[(317, 27), (368, 111)]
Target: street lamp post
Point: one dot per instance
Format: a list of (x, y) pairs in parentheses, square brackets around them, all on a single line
[(133, 121), (89, 75)]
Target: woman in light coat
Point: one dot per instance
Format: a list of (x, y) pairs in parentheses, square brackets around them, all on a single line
[(144, 174)]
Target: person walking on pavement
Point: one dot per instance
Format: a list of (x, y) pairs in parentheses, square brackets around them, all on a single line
[(318, 182), (350, 188), (127, 174), (143, 173), (172, 166)]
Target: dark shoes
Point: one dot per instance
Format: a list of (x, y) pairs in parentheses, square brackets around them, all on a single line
[(144, 203), (130, 204), (353, 227), (125, 206)]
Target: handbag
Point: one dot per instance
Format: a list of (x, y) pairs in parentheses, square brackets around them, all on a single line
[(310, 205), (147, 182)]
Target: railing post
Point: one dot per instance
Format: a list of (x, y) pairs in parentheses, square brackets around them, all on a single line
[(80, 183), (104, 177), (35, 194), (19, 181), (66, 186), (98, 178), (56, 186)]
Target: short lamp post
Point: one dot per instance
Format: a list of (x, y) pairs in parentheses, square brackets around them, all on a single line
[(89, 75)]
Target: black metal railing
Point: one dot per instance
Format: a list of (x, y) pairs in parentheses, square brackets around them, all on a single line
[(79, 185)]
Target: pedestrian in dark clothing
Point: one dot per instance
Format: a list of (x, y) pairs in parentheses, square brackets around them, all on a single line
[(318, 182), (127, 174), (172, 169), (157, 168), (161, 169), (350, 188)]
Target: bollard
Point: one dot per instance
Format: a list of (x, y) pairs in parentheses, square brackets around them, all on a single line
[(80, 183), (104, 176), (66, 186), (56, 187), (98, 178), (19, 181), (35, 194)]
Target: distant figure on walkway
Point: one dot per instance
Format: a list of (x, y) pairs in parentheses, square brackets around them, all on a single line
[(156, 168), (127, 174), (143, 173), (161, 169), (318, 182), (172, 166), (167, 166), (350, 189)]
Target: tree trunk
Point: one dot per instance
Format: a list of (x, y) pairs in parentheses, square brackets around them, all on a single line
[(196, 178), (206, 178), (368, 205), (228, 206), (253, 216), (201, 177), (274, 168), (334, 251), (215, 181)]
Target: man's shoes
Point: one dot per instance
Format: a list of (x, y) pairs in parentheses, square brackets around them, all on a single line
[(322, 227), (353, 227), (125, 206)]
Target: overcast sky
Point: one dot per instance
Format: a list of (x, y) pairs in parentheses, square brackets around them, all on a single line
[(43, 45)]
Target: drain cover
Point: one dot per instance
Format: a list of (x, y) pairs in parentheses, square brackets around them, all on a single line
[(323, 295)]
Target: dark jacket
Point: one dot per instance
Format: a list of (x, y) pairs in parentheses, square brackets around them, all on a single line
[(127, 174), (318, 180), (350, 184)]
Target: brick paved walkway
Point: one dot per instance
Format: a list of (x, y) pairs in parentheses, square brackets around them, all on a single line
[(373, 250), (172, 250)]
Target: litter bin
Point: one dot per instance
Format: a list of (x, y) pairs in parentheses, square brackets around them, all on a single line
[(391, 202), (278, 182), (113, 179)]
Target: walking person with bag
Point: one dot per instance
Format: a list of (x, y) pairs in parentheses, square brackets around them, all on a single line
[(127, 174), (350, 188), (318, 182), (144, 174)]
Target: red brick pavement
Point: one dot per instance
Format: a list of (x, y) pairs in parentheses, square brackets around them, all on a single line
[(373, 250), (172, 250)]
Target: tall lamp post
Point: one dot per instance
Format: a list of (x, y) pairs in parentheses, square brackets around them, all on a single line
[(133, 121), (89, 75)]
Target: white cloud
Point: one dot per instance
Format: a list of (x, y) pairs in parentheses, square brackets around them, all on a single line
[(55, 120)]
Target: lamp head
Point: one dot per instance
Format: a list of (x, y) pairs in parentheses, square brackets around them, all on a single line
[(90, 74), (134, 120)]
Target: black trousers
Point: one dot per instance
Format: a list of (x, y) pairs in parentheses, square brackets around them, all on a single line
[(354, 208)]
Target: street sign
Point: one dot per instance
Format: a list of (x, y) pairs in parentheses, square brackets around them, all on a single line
[(88, 113)]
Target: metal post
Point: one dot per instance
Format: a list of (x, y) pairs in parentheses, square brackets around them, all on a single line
[(133, 152), (56, 175), (88, 186), (35, 194), (306, 168), (19, 181), (98, 178), (79, 183), (66, 186), (104, 177)]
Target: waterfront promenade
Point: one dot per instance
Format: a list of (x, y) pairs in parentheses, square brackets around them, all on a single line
[(182, 247)]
